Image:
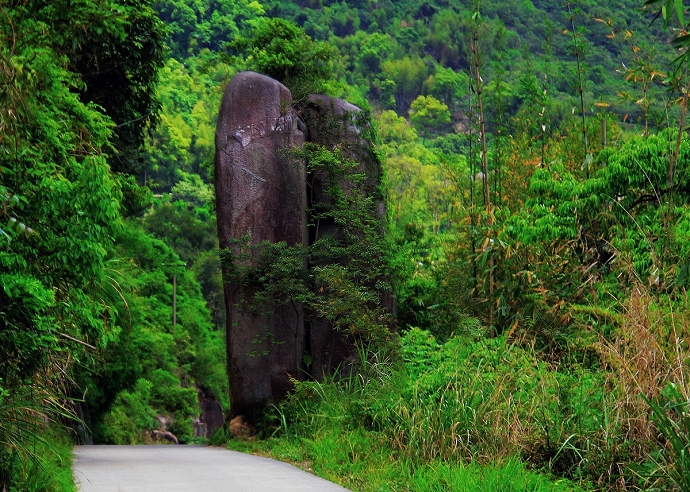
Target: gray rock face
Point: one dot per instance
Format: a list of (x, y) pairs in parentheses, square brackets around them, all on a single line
[(211, 418), (259, 194)]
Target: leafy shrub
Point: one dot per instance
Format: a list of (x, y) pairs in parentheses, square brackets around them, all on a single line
[(168, 394), (182, 427), (130, 416)]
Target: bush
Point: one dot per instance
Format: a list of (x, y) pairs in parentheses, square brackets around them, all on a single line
[(168, 395), (130, 416)]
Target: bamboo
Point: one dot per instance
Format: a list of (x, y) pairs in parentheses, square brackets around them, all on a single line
[(174, 307), (484, 157)]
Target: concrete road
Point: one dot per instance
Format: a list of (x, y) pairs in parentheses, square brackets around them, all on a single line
[(187, 469)]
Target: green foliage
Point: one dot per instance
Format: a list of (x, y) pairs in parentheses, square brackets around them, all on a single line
[(130, 416), (33, 452), (668, 10), (207, 272), (394, 129), (60, 209), (195, 25), (448, 85), (408, 76), (182, 144), (66, 206), (469, 392), (624, 209), (394, 51), (188, 229), (153, 369), (423, 195), (115, 48), (120, 71), (280, 49), (428, 113)]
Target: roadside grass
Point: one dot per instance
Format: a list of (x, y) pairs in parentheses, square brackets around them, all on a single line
[(481, 413), (35, 449), (458, 416), (49, 469), (363, 462)]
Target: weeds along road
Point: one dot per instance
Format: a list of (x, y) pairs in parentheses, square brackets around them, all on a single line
[(187, 469)]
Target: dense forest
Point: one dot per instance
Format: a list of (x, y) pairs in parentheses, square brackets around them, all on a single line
[(537, 237)]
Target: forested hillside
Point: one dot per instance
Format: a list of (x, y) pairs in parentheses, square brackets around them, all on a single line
[(537, 230)]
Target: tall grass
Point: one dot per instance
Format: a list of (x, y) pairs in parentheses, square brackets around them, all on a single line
[(35, 454), (48, 470), (672, 417), (487, 399), (648, 373), (454, 416)]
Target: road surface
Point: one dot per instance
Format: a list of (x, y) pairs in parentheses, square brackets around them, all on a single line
[(187, 469)]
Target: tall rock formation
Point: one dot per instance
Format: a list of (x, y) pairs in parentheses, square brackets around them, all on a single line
[(259, 195), (263, 195)]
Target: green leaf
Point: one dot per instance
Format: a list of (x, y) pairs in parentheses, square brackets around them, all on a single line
[(680, 11)]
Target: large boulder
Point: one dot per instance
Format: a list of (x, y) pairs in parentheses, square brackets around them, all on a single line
[(260, 194)]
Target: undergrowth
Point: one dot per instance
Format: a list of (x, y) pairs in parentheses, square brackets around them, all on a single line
[(481, 413), (362, 461), (448, 419)]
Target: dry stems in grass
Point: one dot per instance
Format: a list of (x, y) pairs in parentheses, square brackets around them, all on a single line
[(648, 352)]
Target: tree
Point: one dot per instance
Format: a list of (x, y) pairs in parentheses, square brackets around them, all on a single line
[(373, 51), (681, 42), (395, 129), (409, 75), (194, 25), (59, 196), (280, 49), (427, 113), (154, 368), (116, 48), (59, 192), (448, 85)]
